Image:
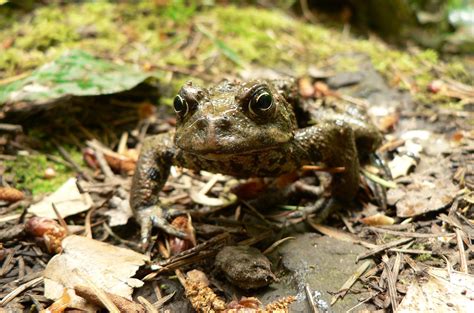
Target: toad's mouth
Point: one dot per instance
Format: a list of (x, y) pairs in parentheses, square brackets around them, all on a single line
[(223, 155)]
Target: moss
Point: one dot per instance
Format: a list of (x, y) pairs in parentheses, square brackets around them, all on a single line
[(28, 172), (424, 257), (150, 33)]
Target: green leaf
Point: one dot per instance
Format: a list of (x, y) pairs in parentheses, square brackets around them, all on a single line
[(75, 73)]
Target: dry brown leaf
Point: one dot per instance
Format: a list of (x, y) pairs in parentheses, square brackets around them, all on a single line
[(10, 194), (67, 199), (108, 267), (47, 231), (401, 165), (441, 291), (426, 194), (184, 224), (305, 87), (378, 219)]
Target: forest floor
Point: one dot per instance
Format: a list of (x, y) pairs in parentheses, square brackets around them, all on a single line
[(71, 131)]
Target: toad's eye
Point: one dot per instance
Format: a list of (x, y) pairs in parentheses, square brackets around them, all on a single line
[(180, 105), (261, 102)]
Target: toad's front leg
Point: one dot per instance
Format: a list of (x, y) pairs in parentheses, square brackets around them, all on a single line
[(151, 173), (332, 143)]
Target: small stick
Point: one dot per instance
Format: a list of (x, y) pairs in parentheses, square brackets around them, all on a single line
[(340, 169), (350, 281), (149, 308), (257, 213), (101, 295), (413, 251), (392, 276), (89, 293), (7, 262), (122, 146), (462, 252), (11, 128), (21, 267), (61, 220), (15, 292), (214, 179), (379, 180), (99, 154), (408, 234), (76, 167), (383, 247), (276, 244), (310, 299), (162, 300)]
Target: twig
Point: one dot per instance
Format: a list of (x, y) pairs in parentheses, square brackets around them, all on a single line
[(383, 247), (15, 292), (276, 244), (350, 281), (257, 213), (11, 128), (413, 251), (462, 252), (392, 275), (332, 170), (158, 304), (208, 186), (99, 154), (379, 180), (61, 220), (102, 296), (7, 262), (310, 299), (255, 239), (339, 234), (362, 302), (74, 165), (160, 266), (408, 234), (147, 305), (122, 304)]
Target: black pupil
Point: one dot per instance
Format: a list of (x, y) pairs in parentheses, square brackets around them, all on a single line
[(264, 101), (178, 104)]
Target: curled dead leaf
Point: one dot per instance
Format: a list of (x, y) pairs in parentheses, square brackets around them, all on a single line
[(202, 298), (46, 231), (377, 220), (321, 90), (120, 163), (177, 245), (10, 194), (305, 87)]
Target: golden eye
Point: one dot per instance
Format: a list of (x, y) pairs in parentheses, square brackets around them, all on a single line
[(261, 102), (180, 105)]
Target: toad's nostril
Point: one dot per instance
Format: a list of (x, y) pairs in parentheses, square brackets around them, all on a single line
[(202, 124), (223, 123)]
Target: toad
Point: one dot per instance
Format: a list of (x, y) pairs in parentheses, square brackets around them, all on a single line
[(250, 129)]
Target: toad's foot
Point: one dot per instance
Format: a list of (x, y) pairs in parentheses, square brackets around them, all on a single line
[(323, 208), (380, 191), (156, 216)]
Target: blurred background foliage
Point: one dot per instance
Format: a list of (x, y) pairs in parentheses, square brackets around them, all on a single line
[(213, 37), (444, 25)]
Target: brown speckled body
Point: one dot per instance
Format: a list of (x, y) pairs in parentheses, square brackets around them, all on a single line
[(250, 129)]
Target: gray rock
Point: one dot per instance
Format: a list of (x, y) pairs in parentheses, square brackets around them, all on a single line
[(245, 267), (321, 262)]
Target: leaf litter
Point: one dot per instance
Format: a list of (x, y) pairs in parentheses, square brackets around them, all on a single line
[(409, 228)]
